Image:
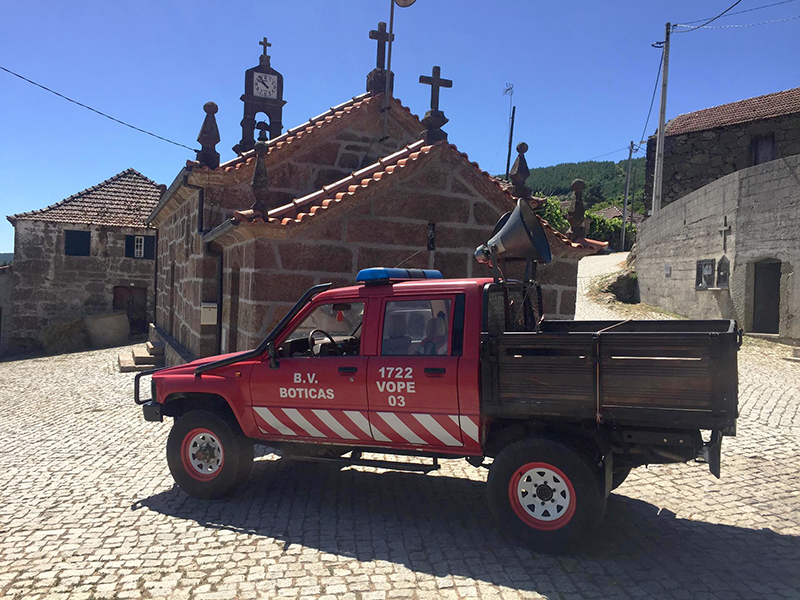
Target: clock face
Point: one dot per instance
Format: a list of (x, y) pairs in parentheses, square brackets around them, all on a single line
[(265, 85)]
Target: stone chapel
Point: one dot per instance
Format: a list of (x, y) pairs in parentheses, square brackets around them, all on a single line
[(366, 183)]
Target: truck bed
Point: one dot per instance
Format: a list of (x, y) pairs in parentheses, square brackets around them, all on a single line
[(674, 374)]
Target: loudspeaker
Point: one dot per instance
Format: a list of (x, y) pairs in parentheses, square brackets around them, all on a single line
[(518, 235)]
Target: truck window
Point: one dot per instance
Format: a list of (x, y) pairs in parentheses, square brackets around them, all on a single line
[(417, 327), (341, 321)]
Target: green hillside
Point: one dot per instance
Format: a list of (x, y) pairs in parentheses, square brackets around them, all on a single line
[(605, 181)]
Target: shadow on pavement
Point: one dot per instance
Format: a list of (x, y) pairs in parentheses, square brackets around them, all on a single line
[(441, 525)]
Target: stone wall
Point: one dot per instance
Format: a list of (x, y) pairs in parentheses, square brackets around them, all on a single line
[(761, 204), (692, 160), (383, 229), (50, 286), (6, 285)]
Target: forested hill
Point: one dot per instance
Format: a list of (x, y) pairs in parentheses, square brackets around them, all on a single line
[(603, 178)]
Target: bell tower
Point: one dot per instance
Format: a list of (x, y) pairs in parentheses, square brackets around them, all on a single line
[(263, 93)]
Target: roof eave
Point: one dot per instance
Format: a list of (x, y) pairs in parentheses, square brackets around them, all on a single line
[(178, 183)]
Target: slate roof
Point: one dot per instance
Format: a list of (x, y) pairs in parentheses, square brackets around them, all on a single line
[(743, 111), (124, 200), (318, 203)]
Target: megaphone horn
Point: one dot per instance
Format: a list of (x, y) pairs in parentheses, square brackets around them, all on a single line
[(518, 235)]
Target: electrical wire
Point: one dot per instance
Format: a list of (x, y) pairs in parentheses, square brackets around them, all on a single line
[(94, 110), (712, 19), (643, 137), (746, 24), (739, 12)]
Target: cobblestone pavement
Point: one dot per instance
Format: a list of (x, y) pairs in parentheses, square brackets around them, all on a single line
[(88, 510)]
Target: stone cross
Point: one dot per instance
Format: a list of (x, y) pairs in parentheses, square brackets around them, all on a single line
[(725, 230), (436, 82), (266, 45), (381, 36)]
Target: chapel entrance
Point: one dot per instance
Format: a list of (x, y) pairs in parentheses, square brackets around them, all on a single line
[(133, 300), (766, 296)]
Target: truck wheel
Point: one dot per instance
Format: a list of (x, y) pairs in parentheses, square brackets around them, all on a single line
[(618, 477), (545, 494), (207, 455)]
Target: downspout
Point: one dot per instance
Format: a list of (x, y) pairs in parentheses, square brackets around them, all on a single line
[(220, 271)]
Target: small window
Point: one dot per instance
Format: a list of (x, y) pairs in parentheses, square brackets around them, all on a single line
[(723, 272), (704, 278), (763, 149), (77, 243), (140, 246), (417, 327)]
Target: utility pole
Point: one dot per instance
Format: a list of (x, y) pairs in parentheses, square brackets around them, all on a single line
[(510, 138), (659, 168), (625, 202)]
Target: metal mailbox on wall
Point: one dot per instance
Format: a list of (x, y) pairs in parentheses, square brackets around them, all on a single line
[(208, 313)]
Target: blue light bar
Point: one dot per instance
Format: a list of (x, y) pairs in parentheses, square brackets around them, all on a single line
[(385, 275)]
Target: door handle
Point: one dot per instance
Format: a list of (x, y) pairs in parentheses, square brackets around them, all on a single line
[(435, 371), (348, 370)]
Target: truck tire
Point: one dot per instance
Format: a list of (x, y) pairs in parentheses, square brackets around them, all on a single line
[(208, 455), (619, 476), (565, 486)]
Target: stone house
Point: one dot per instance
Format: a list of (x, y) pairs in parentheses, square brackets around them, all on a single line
[(352, 188), (729, 250), (702, 146), (88, 254)]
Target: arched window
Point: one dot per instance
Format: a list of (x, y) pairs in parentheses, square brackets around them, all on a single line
[(723, 272)]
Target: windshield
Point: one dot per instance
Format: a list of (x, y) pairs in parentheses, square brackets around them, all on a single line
[(337, 319)]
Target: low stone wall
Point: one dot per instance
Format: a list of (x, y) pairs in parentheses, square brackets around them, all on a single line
[(761, 205)]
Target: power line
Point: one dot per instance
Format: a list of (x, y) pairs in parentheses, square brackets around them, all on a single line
[(652, 102), (606, 154), (94, 110), (711, 20), (740, 12), (745, 24)]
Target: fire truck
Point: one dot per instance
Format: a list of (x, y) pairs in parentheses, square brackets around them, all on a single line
[(408, 364)]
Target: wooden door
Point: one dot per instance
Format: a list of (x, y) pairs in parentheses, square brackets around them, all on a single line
[(133, 300)]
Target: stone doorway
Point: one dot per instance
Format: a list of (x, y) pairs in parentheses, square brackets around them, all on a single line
[(767, 296), (133, 300)]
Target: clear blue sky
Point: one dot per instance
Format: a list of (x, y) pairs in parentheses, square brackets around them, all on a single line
[(584, 72)]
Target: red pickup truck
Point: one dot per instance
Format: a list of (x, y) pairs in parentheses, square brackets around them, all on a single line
[(409, 364)]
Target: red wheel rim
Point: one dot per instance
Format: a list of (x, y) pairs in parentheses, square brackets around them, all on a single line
[(202, 454), (542, 496)]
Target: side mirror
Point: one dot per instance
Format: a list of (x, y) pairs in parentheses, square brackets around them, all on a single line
[(273, 356)]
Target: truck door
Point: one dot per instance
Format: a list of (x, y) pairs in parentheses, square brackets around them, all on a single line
[(317, 392), (412, 383)]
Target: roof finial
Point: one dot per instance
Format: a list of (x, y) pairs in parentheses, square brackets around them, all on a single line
[(209, 138), (577, 215), (434, 119), (519, 173), (260, 182), (376, 79)]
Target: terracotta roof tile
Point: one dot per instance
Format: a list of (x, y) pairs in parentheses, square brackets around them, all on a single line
[(743, 111), (124, 200), (311, 205), (311, 126)]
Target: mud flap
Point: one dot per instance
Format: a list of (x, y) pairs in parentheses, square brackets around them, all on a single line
[(712, 453)]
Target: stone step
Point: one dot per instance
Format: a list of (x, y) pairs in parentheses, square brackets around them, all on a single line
[(142, 357), (127, 365), (155, 349), (792, 359), (797, 352)]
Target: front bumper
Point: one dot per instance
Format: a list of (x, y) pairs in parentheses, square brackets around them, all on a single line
[(152, 411)]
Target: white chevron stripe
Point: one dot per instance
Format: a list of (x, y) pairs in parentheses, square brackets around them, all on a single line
[(467, 425), (265, 414), (360, 421), (333, 424), (436, 430), (301, 422), (393, 421)]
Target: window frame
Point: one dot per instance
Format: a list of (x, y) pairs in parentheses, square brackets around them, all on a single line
[(138, 246), (699, 282), (291, 327)]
